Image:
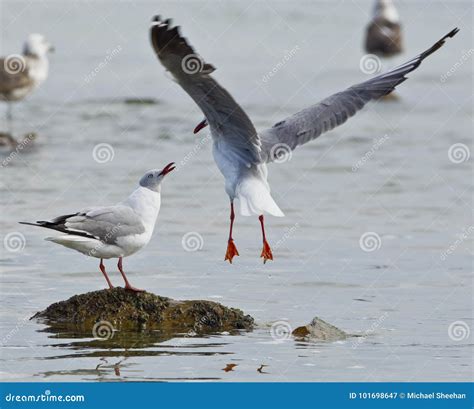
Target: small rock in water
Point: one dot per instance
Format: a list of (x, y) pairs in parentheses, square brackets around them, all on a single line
[(134, 312), (141, 101), (320, 330), (7, 139)]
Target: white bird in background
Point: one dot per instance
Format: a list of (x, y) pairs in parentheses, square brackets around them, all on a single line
[(239, 151), (21, 74), (113, 231), (384, 34)]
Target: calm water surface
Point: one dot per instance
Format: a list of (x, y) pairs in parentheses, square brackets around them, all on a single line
[(403, 297)]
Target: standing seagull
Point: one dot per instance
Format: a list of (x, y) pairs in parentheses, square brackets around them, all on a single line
[(113, 231), (21, 74), (240, 152), (384, 35)]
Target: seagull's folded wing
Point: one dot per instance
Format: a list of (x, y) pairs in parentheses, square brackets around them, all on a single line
[(106, 224), (192, 73), (333, 111), (14, 77)]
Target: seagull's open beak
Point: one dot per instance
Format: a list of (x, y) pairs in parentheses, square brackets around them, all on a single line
[(168, 168), (200, 126)]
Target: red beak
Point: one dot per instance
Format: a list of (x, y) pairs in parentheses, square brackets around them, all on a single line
[(200, 126), (168, 168)]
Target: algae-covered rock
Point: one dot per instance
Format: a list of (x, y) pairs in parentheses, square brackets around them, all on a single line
[(319, 330), (127, 311)]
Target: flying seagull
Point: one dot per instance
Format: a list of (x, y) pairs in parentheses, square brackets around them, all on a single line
[(113, 231), (240, 152), (384, 36), (21, 74)]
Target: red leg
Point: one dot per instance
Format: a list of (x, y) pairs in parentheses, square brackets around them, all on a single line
[(231, 249), (266, 251), (127, 284), (102, 268)]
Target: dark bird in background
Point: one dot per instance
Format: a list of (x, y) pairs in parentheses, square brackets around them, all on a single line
[(384, 34), (229, 367)]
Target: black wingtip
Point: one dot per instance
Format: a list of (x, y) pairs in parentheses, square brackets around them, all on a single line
[(438, 44), (453, 32), (29, 223)]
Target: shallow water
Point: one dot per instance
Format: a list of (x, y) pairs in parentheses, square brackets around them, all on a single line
[(402, 297)]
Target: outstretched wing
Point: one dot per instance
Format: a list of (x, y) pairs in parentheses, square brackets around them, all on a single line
[(106, 224), (333, 111), (227, 119)]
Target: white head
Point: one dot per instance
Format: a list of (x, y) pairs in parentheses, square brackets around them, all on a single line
[(387, 10), (37, 46), (153, 178)]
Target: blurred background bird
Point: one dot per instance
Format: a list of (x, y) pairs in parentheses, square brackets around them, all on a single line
[(20, 74), (384, 34)]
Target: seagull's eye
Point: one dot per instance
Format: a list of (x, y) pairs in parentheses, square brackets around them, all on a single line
[(150, 175)]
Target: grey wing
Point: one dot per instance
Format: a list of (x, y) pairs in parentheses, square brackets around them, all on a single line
[(12, 79), (333, 111), (106, 224), (224, 115)]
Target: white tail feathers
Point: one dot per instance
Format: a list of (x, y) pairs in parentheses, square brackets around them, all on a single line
[(255, 199)]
